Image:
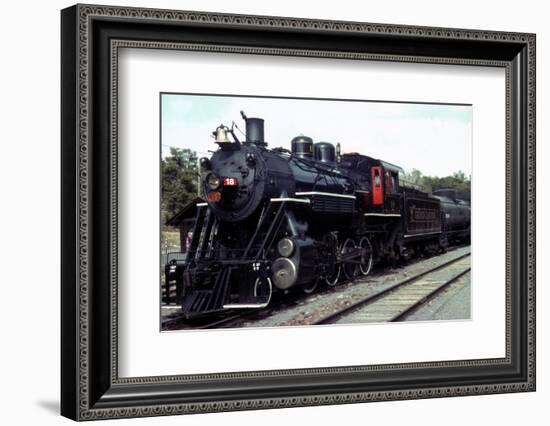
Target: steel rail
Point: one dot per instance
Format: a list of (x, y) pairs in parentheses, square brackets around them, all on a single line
[(400, 316), (330, 318)]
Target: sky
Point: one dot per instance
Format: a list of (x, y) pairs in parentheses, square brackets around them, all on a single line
[(433, 138)]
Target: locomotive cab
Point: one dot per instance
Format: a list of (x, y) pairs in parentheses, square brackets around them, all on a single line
[(378, 189), (391, 199)]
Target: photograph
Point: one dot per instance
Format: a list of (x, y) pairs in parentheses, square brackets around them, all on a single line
[(265, 209), (288, 212)]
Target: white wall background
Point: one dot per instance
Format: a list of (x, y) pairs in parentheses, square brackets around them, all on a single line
[(29, 212)]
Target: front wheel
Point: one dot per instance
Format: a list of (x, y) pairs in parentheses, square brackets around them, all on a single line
[(331, 274), (366, 256), (350, 267), (263, 289), (310, 287)]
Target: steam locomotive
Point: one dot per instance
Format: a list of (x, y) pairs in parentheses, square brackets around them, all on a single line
[(275, 219)]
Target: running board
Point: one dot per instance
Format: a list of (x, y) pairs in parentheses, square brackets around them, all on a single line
[(245, 305), (248, 305)]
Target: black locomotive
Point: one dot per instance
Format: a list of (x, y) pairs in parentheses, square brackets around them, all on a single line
[(275, 219)]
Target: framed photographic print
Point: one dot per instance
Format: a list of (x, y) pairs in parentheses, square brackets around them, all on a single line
[(331, 215), (264, 212)]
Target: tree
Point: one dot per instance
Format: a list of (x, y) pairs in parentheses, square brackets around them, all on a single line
[(179, 179), (414, 177), (457, 181)]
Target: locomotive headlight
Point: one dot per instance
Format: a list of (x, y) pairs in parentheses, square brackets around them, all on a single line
[(285, 247), (213, 181)]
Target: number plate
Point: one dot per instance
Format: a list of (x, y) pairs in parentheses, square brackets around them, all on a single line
[(230, 181), (214, 196)]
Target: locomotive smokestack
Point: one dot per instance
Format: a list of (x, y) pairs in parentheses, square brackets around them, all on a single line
[(254, 130)]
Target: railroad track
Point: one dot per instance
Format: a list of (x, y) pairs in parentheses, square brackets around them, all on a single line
[(394, 303), (233, 319), (229, 319), (223, 322), (174, 322)]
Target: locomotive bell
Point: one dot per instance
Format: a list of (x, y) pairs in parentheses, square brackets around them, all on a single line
[(221, 134)]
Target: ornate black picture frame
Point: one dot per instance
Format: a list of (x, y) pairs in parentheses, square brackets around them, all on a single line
[(91, 36)]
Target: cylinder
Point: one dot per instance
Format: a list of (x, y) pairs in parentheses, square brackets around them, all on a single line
[(255, 131), (302, 147), (324, 152)]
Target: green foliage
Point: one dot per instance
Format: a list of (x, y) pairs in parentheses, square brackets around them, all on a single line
[(458, 181), (179, 181)]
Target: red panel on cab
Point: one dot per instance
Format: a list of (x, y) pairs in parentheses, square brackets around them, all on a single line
[(377, 189)]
